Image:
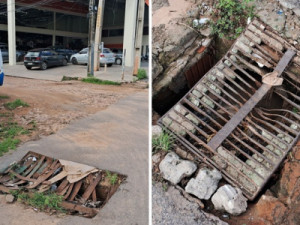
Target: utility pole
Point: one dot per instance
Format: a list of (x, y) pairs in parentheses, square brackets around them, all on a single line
[(90, 66), (98, 34), (139, 36)]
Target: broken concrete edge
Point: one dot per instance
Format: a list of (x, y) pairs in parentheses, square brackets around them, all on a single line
[(229, 199)]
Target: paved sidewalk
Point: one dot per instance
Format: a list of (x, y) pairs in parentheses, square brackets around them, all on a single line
[(113, 73), (114, 139)]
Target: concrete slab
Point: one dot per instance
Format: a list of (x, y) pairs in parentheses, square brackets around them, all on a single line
[(115, 139), (113, 73)]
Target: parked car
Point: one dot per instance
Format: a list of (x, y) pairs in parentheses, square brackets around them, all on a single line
[(106, 57), (44, 58), (5, 53), (119, 55), (63, 51)]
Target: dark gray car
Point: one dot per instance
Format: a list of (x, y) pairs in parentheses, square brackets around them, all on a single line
[(44, 58)]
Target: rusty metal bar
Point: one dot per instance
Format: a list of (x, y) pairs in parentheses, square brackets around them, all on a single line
[(238, 117)]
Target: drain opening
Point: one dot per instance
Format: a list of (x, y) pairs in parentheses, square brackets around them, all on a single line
[(83, 189), (227, 120), (163, 102)]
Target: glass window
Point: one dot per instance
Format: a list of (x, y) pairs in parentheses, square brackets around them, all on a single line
[(46, 53), (72, 23), (33, 54), (31, 17), (3, 13)]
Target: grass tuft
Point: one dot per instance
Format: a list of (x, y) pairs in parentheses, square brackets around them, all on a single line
[(15, 104), (65, 78), (4, 97), (8, 144), (8, 132), (113, 178), (94, 80), (164, 141), (40, 201), (142, 74)]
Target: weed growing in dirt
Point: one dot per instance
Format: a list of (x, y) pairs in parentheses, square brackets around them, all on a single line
[(231, 17), (164, 142), (15, 104), (94, 80), (40, 201), (65, 78), (8, 132), (113, 178), (142, 74), (4, 97), (8, 144)]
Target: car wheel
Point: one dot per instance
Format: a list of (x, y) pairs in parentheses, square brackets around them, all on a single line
[(44, 66), (64, 62), (109, 65), (74, 61), (28, 67), (118, 61)]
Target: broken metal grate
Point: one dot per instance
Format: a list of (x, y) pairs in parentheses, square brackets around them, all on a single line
[(85, 189), (233, 121)]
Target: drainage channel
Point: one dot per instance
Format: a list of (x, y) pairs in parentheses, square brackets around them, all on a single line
[(84, 189), (243, 116)]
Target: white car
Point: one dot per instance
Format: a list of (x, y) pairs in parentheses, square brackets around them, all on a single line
[(106, 57)]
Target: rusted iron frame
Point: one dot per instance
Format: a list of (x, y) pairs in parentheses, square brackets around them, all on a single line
[(271, 126), (198, 140), (250, 148), (201, 112), (235, 137), (266, 54), (256, 82), (200, 121), (235, 83), (223, 92), (290, 93), (290, 130), (291, 83), (284, 119), (244, 164), (221, 98), (287, 100), (248, 194), (287, 111), (260, 136), (230, 88), (249, 65), (259, 60), (202, 132), (260, 51), (244, 154), (203, 104), (266, 38), (238, 117), (256, 143)]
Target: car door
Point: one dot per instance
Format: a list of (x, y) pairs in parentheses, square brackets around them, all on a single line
[(83, 56), (56, 60)]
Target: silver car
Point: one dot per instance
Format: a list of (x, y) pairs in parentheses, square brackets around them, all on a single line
[(106, 57)]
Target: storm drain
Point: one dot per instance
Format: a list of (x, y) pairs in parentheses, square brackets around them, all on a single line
[(84, 189), (243, 116)]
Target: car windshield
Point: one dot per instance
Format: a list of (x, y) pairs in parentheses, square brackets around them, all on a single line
[(33, 54)]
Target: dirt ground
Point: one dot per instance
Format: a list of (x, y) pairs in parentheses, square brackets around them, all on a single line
[(53, 105)]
